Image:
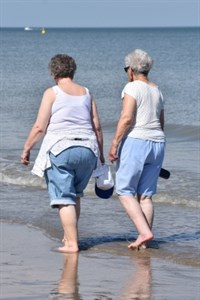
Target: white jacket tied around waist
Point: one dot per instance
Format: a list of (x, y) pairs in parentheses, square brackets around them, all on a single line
[(56, 142)]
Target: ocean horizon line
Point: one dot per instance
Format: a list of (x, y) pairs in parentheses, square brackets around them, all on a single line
[(100, 27)]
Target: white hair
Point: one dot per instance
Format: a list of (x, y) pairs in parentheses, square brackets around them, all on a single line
[(139, 61)]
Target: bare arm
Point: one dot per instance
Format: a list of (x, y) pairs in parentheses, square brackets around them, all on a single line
[(40, 125), (97, 129), (162, 119), (124, 123)]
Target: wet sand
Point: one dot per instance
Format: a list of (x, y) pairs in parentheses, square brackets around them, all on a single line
[(32, 269)]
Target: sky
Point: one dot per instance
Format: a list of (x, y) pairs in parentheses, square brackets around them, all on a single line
[(99, 13)]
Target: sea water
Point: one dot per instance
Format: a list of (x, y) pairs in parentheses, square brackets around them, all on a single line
[(99, 54)]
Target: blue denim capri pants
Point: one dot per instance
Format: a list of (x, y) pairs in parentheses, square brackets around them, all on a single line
[(138, 166), (69, 175)]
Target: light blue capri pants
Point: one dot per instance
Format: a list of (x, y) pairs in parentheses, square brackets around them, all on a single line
[(138, 166), (69, 175)]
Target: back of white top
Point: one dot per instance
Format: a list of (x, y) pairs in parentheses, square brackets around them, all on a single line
[(70, 112), (150, 102)]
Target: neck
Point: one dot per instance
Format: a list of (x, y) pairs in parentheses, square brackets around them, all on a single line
[(141, 77), (64, 81)]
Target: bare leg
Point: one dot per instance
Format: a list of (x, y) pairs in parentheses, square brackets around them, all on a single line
[(147, 208), (69, 222), (78, 209), (134, 211)]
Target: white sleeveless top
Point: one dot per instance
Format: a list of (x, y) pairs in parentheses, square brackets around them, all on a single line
[(70, 112), (70, 125)]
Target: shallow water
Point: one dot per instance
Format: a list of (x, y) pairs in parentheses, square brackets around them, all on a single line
[(104, 225), (103, 74)]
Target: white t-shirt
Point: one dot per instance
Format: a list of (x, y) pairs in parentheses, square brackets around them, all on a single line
[(150, 102)]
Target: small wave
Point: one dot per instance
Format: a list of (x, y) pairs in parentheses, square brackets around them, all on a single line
[(167, 199), (13, 173), (182, 132), (176, 131), (22, 180)]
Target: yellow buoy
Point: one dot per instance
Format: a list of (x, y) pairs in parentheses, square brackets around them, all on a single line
[(43, 31)]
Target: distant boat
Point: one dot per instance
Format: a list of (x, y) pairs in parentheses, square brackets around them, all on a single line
[(43, 30), (28, 28)]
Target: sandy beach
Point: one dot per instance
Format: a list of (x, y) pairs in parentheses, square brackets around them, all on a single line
[(32, 269)]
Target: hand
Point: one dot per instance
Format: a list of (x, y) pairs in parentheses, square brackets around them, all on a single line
[(102, 159), (113, 154), (25, 157)]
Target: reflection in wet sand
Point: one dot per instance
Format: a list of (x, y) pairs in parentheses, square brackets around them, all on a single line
[(68, 287), (139, 284)]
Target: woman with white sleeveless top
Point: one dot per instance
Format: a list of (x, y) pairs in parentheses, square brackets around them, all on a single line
[(73, 140)]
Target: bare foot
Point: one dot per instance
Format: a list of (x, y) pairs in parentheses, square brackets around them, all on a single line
[(141, 241), (68, 249), (144, 245)]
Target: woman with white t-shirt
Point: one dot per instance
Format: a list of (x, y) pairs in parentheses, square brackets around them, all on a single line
[(73, 140), (138, 145)]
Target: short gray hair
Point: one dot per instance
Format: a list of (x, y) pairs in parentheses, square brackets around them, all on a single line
[(139, 61)]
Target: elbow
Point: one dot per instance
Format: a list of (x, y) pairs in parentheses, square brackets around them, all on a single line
[(127, 121), (96, 127), (98, 130), (39, 130)]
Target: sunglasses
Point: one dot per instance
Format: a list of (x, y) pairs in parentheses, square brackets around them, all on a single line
[(126, 69)]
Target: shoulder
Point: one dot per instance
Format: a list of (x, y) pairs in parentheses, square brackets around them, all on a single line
[(130, 89), (50, 91), (133, 85), (49, 95), (80, 89), (87, 91)]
